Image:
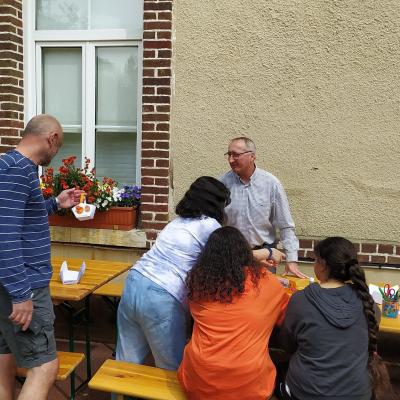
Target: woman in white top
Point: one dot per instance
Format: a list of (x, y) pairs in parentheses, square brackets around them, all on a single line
[(153, 312)]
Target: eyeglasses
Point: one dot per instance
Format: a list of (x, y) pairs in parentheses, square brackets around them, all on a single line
[(235, 156)]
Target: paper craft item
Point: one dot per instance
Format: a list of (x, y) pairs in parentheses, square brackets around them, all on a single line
[(376, 294), (69, 277), (288, 284), (84, 211)]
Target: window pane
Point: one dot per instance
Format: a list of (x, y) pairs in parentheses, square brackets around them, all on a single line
[(61, 14), (62, 96), (123, 14), (116, 156), (116, 84), (62, 84)]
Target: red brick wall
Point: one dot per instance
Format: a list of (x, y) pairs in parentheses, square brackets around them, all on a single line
[(375, 253), (156, 107), (11, 74), (157, 51)]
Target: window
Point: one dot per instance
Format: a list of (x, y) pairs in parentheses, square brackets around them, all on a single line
[(83, 65)]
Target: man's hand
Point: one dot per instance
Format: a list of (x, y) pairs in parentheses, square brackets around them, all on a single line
[(69, 197), (22, 314), (292, 268)]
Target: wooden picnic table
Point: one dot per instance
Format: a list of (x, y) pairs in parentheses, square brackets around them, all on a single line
[(391, 325), (97, 273)]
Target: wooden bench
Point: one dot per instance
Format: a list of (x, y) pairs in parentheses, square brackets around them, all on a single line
[(141, 381), (67, 365), (128, 379)]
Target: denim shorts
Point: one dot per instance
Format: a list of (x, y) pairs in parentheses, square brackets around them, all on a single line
[(36, 345), (150, 319)]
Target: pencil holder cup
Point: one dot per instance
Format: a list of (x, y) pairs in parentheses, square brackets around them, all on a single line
[(390, 308)]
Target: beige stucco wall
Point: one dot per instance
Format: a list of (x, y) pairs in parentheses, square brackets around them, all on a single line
[(315, 84)]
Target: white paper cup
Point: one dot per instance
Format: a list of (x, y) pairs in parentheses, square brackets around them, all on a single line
[(83, 211)]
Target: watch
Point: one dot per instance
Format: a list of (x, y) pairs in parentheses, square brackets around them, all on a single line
[(58, 203), (266, 246)]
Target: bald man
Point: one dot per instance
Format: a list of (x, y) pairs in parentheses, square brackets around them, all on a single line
[(26, 311)]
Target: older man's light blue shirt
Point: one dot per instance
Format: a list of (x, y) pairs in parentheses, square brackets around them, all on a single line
[(174, 253), (260, 207)]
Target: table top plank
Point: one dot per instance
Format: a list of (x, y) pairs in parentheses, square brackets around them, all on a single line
[(67, 364), (98, 272), (112, 289), (137, 380)]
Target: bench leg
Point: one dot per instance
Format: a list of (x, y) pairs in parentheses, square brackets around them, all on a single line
[(72, 385), (72, 316), (88, 339), (71, 349)]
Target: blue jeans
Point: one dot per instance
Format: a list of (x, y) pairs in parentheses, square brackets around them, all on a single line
[(150, 319)]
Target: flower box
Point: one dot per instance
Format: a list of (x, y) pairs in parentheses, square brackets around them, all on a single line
[(121, 218), (115, 208)]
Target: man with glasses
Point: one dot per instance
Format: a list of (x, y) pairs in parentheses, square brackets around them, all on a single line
[(259, 205)]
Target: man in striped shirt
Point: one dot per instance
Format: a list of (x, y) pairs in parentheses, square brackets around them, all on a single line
[(259, 206), (26, 311)]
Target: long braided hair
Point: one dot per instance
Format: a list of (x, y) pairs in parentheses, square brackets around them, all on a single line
[(340, 257)]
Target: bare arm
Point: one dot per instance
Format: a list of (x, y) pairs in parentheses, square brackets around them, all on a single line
[(263, 255)]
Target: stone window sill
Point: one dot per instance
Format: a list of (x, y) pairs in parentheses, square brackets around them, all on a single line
[(135, 238)]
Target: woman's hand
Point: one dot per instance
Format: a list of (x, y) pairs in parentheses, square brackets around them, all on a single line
[(278, 256), (262, 256)]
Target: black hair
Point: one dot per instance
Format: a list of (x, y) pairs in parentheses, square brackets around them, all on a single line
[(220, 271), (206, 196), (340, 257)]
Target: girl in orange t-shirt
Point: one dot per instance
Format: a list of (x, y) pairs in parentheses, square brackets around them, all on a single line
[(235, 304)]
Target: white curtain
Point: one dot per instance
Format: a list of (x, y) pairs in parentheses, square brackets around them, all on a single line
[(116, 113), (89, 14), (62, 96)]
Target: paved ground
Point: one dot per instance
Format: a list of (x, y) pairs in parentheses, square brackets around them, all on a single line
[(103, 335)]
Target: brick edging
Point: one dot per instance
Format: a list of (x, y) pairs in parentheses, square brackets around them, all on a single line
[(376, 253)]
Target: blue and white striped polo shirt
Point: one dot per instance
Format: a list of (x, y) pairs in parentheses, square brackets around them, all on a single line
[(24, 228)]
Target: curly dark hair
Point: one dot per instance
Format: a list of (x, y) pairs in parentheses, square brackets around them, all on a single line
[(206, 196), (221, 269), (340, 257)]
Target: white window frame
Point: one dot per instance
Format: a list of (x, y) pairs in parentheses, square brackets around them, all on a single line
[(35, 41)]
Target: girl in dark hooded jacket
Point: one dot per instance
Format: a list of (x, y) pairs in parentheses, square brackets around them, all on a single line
[(331, 329)]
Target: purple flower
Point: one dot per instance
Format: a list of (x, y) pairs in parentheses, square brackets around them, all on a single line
[(130, 196)]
